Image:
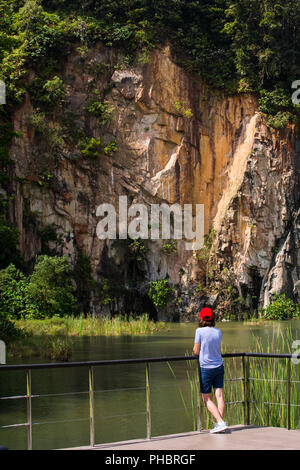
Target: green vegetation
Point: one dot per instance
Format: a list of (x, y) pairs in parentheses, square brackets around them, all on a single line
[(50, 134), (160, 292), (45, 293), (90, 326), (138, 250), (54, 91), (281, 308), (236, 45), (92, 148), (169, 247), (8, 237), (182, 110), (50, 338), (103, 111)]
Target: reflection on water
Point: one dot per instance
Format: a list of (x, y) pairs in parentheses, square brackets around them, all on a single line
[(120, 403)]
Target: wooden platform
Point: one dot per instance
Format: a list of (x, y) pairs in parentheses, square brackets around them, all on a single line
[(235, 438)]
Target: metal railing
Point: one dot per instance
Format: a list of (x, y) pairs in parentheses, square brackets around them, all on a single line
[(246, 401)]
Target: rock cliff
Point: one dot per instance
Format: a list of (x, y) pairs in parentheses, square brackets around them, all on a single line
[(177, 142)]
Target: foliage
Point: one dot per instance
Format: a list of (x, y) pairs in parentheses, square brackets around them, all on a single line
[(45, 179), (9, 235), (58, 349), (276, 105), (160, 292), (209, 239), (50, 134), (138, 250), (82, 274), (92, 148), (264, 37), (244, 45), (50, 289), (47, 292), (182, 110), (169, 247), (54, 91), (101, 110), (105, 292), (281, 308), (110, 148), (8, 330)]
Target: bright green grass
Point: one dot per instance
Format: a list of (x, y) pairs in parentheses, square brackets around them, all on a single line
[(51, 338)]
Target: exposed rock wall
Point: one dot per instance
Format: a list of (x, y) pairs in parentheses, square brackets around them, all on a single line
[(260, 231), (220, 154)]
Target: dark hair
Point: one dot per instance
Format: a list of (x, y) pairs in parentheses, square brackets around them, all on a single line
[(203, 323)]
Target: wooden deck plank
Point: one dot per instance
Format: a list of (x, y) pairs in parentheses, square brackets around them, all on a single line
[(235, 438)]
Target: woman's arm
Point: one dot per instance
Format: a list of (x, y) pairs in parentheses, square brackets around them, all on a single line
[(196, 349)]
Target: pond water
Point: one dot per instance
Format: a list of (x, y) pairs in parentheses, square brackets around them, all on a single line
[(61, 419)]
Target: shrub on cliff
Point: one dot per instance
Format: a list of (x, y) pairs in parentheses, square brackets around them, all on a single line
[(281, 308), (160, 292)]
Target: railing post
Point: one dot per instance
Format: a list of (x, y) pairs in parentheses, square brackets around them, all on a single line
[(245, 365), (288, 394), (199, 424), (148, 403), (29, 409), (92, 406)]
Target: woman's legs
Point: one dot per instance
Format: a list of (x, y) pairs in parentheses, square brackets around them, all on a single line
[(220, 400), (213, 378), (212, 407)]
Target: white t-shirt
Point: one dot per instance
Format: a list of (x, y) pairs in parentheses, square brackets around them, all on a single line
[(209, 339)]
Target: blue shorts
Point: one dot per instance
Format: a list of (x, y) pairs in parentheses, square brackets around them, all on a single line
[(211, 378)]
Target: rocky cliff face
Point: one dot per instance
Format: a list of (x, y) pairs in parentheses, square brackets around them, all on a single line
[(260, 231), (178, 142)]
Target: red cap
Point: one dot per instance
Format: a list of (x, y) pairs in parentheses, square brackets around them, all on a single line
[(206, 314)]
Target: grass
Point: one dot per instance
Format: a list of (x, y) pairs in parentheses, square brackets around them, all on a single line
[(50, 338), (43, 346), (91, 326)]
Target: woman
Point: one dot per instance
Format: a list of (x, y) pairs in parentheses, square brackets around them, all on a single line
[(208, 347)]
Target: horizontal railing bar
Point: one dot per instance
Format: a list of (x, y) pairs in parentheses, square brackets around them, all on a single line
[(112, 362), (167, 410), (122, 415), (62, 421), (273, 403), (14, 425), (268, 380), (275, 356), (234, 379), (233, 402), (136, 361), (274, 380), (13, 397), (58, 394), (120, 389)]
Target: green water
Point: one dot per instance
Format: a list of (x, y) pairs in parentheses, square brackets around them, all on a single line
[(120, 402)]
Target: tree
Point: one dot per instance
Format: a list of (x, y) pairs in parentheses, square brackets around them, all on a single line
[(50, 288)]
